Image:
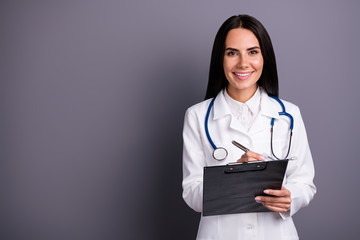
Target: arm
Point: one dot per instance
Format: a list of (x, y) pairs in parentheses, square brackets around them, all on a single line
[(299, 188), (300, 173), (193, 162)]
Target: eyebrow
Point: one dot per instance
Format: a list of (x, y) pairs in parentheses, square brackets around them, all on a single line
[(236, 50)]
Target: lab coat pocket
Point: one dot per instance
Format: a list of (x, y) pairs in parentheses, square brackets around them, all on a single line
[(263, 144), (280, 139), (279, 148)]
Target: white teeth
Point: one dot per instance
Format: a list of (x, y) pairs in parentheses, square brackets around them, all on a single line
[(242, 75)]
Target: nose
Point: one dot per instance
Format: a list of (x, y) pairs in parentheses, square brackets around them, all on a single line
[(242, 62)]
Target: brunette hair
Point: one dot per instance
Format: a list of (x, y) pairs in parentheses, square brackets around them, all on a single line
[(268, 79)]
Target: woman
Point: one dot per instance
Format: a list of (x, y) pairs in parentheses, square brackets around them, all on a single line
[(242, 78)]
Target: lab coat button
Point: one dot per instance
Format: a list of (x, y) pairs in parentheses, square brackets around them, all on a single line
[(249, 226)]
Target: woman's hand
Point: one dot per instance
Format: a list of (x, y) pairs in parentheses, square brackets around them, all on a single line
[(280, 201), (250, 156)]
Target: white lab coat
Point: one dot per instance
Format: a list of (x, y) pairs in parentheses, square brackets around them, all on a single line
[(197, 153)]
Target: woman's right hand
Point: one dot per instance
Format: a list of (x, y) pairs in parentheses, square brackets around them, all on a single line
[(250, 156)]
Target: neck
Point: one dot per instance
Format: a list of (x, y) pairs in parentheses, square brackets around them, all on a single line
[(241, 95)]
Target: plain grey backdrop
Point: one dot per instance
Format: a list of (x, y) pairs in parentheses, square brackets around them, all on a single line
[(93, 94)]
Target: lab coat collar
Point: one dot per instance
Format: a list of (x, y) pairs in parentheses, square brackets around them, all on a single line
[(268, 106), (221, 108), (253, 104)]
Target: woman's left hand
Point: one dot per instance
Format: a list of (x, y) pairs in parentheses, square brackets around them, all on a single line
[(280, 201)]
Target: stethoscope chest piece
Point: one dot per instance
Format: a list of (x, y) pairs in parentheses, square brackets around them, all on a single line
[(220, 153)]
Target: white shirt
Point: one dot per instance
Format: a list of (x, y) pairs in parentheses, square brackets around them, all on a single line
[(244, 113), (223, 128)]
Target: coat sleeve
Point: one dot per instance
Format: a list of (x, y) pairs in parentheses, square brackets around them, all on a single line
[(193, 162), (300, 172)]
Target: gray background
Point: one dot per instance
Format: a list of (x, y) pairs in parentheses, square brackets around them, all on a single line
[(93, 95)]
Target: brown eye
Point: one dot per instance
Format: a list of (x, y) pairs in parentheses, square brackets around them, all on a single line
[(231, 53)]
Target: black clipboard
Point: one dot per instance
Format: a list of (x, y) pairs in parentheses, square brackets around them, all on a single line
[(232, 188)]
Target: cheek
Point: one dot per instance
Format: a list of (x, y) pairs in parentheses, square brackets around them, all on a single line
[(228, 65), (259, 64)]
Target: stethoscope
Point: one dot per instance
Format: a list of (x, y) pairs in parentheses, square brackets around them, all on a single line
[(221, 153)]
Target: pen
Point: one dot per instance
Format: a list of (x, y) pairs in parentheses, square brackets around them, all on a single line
[(245, 149)]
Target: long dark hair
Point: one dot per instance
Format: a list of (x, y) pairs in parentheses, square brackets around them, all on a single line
[(268, 79)]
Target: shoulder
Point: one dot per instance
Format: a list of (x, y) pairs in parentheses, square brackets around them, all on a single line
[(199, 108), (195, 116), (289, 106)]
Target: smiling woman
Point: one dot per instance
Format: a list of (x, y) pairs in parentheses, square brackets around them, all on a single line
[(243, 63), (241, 105), (227, 32)]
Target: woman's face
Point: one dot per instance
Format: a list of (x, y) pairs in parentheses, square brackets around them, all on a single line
[(243, 63)]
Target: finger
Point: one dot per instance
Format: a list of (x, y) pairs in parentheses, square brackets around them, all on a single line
[(273, 200), (278, 193), (254, 156), (278, 205), (277, 209), (250, 156), (274, 206)]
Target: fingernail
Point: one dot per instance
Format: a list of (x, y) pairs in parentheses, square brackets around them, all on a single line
[(266, 191), (262, 158), (258, 199)]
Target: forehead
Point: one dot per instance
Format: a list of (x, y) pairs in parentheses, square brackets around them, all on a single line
[(241, 38)]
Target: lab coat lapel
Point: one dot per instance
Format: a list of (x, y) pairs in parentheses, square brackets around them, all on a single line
[(261, 123), (269, 109), (222, 109)]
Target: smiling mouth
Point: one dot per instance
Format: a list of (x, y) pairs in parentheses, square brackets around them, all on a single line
[(242, 74)]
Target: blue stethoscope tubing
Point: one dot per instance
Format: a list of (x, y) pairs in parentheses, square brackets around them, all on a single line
[(282, 113), (207, 125), (220, 153)]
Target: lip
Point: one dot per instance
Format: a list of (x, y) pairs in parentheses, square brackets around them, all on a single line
[(243, 75)]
